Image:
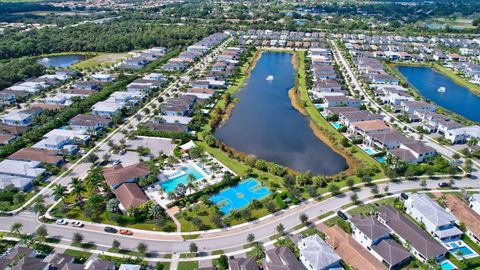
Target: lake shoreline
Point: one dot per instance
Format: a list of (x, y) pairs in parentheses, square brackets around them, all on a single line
[(440, 109), (312, 141)]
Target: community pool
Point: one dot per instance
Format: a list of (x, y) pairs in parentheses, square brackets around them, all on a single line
[(447, 265), (239, 196), (336, 125), (171, 184)]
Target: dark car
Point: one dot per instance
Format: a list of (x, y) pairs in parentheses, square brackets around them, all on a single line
[(342, 215), (110, 230), (403, 196), (444, 184)]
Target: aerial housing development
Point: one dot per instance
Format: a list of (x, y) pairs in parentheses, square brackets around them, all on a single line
[(239, 135)]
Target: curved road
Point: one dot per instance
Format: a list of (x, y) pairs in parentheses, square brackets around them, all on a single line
[(230, 240)]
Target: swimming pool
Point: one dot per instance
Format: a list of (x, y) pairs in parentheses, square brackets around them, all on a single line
[(336, 125), (461, 251), (447, 265), (171, 184), (239, 196), (318, 106), (381, 159), (368, 150)]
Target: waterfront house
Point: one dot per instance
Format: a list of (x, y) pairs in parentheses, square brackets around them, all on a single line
[(413, 152), (315, 254), (358, 116), (327, 86), (117, 175), (375, 237), (438, 222), (365, 128), (281, 258), (421, 245), (389, 139), (336, 101), (412, 106)]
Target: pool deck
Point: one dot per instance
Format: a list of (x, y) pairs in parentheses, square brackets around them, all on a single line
[(155, 193)]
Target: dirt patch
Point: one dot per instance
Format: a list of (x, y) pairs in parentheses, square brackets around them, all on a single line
[(296, 101)]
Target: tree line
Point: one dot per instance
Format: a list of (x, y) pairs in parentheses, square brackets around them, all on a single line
[(126, 35)]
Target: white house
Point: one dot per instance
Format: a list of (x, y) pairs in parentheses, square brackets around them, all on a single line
[(101, 77), (315, 254), (463, 134), (106, 108), (17, 119), (438, 222)]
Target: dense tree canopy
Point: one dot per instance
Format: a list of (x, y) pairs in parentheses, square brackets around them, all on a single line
[(119, 36)]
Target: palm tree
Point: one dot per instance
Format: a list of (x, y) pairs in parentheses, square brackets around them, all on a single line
[(59, 192), (257, 250), (77, 189), (16, 227)]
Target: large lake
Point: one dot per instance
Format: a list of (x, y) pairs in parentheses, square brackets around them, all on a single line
[(265, 124), (456, 98), (61, 61)]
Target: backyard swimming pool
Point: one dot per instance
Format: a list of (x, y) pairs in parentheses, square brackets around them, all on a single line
[(336, 125), (462, 251), (239, 196), (368, 150), (381, 159), (171, 184), (447, 265)]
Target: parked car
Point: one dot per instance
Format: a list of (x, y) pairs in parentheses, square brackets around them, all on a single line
[(342, 215), (126, 232), (403, 196), (77, 224), (117, 161), (61, 222), (110, 229), (123, 151), (444, 184)]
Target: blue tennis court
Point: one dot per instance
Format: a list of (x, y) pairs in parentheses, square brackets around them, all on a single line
[(239, 196)]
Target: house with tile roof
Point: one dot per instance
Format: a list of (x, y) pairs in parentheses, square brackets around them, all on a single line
[(420, 244), (375, 237), (439, 222), (117, 175), (315, 254), (281, 258)]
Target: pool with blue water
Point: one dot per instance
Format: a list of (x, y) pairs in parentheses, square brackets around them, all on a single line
[(171, 184), (239, 196)]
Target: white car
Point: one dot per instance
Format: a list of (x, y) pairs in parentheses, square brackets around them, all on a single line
[(61, 222), (77, 224), (117, 161)]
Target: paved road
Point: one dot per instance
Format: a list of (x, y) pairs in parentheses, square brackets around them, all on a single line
[(389, 117), (230, 240)]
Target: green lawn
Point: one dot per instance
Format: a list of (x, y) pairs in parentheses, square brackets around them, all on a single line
[(204, 213), (101, 60), (188, 265), (125, 252), (80, 256), (323, 125)]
